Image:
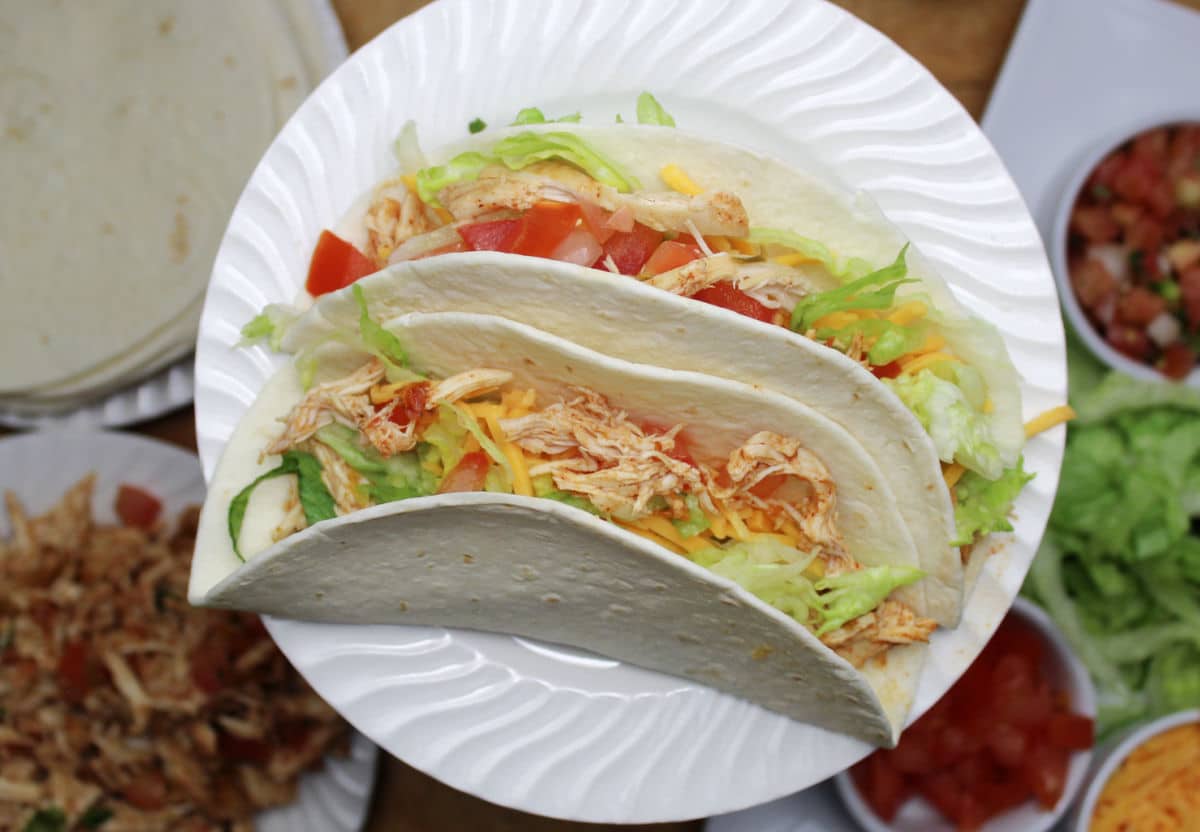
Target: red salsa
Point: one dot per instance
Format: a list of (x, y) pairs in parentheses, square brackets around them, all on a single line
[(1001, 736), (1133, 248)]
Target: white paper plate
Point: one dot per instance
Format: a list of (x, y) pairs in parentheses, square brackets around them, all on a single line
[(544, 729), (322, 45), (39, 467)]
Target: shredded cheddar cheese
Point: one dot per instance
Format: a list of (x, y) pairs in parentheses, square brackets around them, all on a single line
[(795, 259), (718, 243), (920, 362), (410, 182), (1045, 421), (651, 536), (909, 312), (989, 406), (952, 473), (743, 246), (677, 180), (1156, 788)]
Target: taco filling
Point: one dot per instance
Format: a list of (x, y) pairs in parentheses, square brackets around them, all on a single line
[(552, 195), (765, 517)]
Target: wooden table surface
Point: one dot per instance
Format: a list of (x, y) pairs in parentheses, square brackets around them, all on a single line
[(962, 42)]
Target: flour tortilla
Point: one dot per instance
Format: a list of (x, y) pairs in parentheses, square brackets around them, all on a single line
[(630, 324), (127, 135), (541, 569)]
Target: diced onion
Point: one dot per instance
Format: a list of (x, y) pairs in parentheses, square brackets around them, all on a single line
[(621, 219), (1164, 330), (417, 247), (580, 247), (1114, 258)]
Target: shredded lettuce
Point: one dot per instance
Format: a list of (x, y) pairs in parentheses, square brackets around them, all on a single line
[(781, 576), (397, 477), (464, 167), (982, 505), (543, 486), (960, 432), (523, 149), (876, 290), (888, 340), (272, 323), (696, 521), (444, 438), (1119, 569), (649, 111), (843, 269), (532, 115), (846, 596), (315, 499), (382, 344)]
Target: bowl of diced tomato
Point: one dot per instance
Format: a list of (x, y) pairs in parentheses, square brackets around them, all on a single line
[(1005, 750), (1126, 249)]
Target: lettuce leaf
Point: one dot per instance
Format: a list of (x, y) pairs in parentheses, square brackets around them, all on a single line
[(982, 505), (532, 115), (315, 499), (888, 340), (649, 111), (960, 433), (523, 149), (397, 477), (876, 290), (846, 596), (843, 269), (464, 167), (382, 344), (543, 486), (272, 324)]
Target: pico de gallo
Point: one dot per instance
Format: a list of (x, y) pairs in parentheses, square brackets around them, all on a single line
[(765, 516), (552, 195), (1000, 737), (1133, 248)]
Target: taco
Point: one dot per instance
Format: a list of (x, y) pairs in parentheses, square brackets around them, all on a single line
[(466, 470), (664, 248)]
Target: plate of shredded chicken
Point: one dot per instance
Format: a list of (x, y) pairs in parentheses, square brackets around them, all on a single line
[(122, 707)]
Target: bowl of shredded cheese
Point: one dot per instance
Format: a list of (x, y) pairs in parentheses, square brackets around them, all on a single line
[(1148, 780)]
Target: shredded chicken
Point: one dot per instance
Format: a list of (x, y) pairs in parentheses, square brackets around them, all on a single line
[(343, 482), (394, 216), (467, 385), (498, 189), (116, 691), (690, 278), (891, 623)]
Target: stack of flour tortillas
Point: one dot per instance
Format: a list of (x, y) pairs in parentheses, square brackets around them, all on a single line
[(127, 131)]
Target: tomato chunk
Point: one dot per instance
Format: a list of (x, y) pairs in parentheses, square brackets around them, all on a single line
[(630, 250), (728, 296), (499, 235), (671, 254), (1070, 731), (137, 507), (335, 264), (545, 226), (468, 475), (413, 400)]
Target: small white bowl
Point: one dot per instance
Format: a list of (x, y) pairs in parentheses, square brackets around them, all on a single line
[(1058, 244), (1066, 673), (1113, 753)]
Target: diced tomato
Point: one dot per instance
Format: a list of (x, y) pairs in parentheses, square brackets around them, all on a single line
[(498, 235), (1161, 199), (1070, 731), (1134, 181), (890, 370), (880, 785), (243, 750), (1106, 172), (1138, 307), (74, 680), (1093, 282), (1178, 360), (1146, 235), (1151, 146), (1045, 773), (728, 296), (545, 226), (137, 507), (1126, 214), (1189, 290), (468, 475), (1130, 341), (1007, 742), (335, 263), (671, 254), (1094, 223), (768, 486), (413, 400), (596, 220), (630, 249)]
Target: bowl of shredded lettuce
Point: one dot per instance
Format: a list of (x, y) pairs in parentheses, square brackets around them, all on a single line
[(1119, 567)]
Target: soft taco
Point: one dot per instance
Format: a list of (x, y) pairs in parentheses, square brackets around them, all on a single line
[(466, 470), (660, 247)]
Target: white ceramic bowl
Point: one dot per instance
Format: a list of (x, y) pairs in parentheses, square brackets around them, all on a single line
[(1110, 141), (1113, 753), (1066, 673)]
